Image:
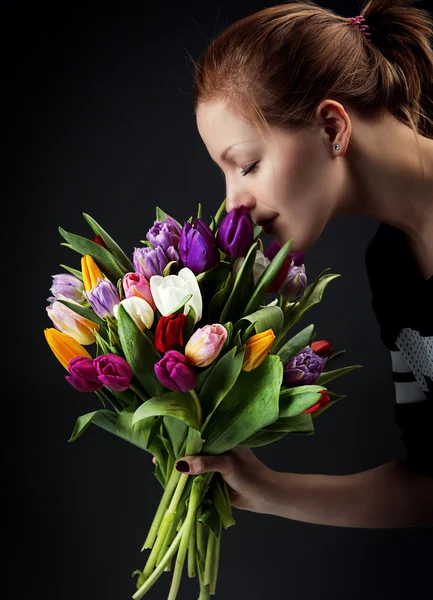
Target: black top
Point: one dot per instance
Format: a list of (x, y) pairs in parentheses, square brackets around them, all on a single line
[(402, 301)]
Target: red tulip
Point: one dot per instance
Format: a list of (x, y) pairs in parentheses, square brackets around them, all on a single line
[(322, 348), (169, 332), (322, 402)]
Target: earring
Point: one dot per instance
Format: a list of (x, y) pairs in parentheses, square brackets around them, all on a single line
[(337, 147)]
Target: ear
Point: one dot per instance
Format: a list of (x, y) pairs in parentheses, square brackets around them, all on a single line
[(335, 122)]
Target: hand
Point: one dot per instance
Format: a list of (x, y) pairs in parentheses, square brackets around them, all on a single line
[(248, 479)]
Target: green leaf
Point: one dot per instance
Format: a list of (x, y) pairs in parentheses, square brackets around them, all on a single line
[(296, 343), (139, 353), (219, 498), (301, 424), (268, 317), (336, 355), (73, 271), (219, 216), (162, 216), (266, 278), (104, 346), (250, 405), (103, 258), (294, 400), (87, 313), (190, 321), (179, 405), (211, 520), (242, 288), (177, 431), (219, 382), (217, 302), (141, 434), (330, 375), (112, 246), (81, 425), (312, 296)]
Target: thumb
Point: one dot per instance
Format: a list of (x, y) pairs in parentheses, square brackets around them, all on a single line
[(195, 465)]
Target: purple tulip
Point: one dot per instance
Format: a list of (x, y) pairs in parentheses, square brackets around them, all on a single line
[(197, 246), (67, 287), (148, 261), (113, 371), (83, 375), (236, 232), (304, 368), (175, 372), (164, 234), (293, 287), (274, 248), (103, 297)]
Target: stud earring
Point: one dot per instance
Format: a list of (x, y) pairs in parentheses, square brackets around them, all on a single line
[(337, 147)]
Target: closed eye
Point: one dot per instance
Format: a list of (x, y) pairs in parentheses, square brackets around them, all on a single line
[(250, 169)]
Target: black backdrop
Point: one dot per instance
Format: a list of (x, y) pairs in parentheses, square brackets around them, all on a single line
[(101, 122)]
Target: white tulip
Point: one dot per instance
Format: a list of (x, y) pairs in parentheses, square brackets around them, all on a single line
[(139, 310), (260, 264), (169, 291)]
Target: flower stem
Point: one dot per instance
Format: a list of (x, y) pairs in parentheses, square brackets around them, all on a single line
[(197, 406), (191, 552), (210, 557), (160, 568), (139, 393), (165, 500), (215, 563), (165, 525), (189, 523)]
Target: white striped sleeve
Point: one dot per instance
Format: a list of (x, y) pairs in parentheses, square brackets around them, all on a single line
[(407, 388)]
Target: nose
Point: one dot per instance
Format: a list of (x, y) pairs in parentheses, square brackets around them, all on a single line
[(240, 198)]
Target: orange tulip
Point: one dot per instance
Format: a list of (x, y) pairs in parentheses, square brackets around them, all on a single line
[(91, 272), (64, 347), (257, 348)]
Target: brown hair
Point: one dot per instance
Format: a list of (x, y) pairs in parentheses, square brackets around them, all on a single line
[(275, 66)]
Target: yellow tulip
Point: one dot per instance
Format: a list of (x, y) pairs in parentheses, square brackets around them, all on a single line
[(91, 272), (257, 348), (64, 347)]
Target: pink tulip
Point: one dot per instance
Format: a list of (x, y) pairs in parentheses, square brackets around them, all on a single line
[(205, 344), (135, 284)]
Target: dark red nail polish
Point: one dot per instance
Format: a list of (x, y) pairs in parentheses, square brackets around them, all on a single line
[(182, 466)]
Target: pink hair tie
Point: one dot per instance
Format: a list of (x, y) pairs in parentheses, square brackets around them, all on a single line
[(359, 20)]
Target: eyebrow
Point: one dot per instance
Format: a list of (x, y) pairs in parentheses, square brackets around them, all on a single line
[(227, 150)]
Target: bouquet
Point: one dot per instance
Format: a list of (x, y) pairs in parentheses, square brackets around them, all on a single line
[(188, 358)]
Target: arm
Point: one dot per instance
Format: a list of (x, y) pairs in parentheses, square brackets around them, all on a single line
[(387, 496)]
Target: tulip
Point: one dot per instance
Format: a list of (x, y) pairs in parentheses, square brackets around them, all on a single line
[(324, 399), (175, 372), (197, 247), (91, 272), (292, 259), (103, 298), (304, 368), (169, 291), (205, 344), (148, 261), (98, 240), (164, 234), (172, 254), (64, 347), (169, 332), (135, 284), (83, 375), (113, 371), (67, 287), (293, 287), (322, 348), (260, 264), (68, 321), (140, 311), (257, 348), (236, 232)]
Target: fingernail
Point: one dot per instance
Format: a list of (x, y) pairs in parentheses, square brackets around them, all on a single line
[(182, 466)]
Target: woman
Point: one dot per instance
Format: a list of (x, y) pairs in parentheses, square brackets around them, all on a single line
[(310, 115)]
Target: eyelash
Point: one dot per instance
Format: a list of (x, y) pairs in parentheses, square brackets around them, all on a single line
[(250, 169)]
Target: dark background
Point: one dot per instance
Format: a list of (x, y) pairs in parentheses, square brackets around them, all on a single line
[(102, 122)]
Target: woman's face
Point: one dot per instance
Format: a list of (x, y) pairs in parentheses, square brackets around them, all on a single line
[(296, 177)]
